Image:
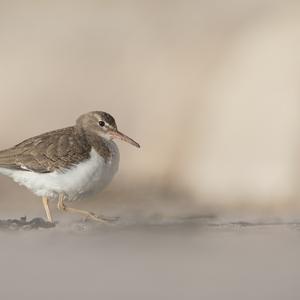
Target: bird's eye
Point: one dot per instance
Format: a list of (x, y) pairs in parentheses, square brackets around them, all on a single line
[(101, 123)]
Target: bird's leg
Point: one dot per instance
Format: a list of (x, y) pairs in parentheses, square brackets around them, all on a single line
[(61, 206), (60, 203), (46, 206)]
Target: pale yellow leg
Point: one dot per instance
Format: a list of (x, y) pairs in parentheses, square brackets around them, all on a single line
[(61, 206), (46, 206)]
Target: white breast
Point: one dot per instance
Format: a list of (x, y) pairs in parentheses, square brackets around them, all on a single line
[(88, 177)]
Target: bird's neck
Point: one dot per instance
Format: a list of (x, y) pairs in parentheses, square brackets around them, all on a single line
[(100, 144)]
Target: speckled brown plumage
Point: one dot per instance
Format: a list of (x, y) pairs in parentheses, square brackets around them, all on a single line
[(55, 150), (62, 149)]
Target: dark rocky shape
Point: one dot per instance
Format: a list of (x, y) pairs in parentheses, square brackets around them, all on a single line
[(23, 224)]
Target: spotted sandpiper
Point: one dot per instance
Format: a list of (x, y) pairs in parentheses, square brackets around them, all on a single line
[(69, 163)]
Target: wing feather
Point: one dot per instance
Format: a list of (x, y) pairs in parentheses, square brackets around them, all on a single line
[(55, 150)]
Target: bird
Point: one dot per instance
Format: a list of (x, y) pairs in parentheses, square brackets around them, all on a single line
[(68, 164)]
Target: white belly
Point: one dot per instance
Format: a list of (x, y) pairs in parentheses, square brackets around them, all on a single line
[(88, 177)]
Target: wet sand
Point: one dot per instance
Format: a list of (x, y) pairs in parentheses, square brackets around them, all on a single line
[(195, 259)]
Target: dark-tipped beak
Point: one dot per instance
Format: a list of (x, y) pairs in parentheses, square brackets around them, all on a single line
[(119, 135)]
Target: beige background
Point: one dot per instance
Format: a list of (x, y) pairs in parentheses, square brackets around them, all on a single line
[(210, 89)]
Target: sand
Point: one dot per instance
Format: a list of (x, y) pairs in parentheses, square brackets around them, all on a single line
[(196, 259)]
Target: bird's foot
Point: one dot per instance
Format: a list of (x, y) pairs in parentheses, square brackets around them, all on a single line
[(88, 215), (101, 219)]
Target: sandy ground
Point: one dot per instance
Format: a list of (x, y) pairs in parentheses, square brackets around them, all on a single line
[(195, 259)]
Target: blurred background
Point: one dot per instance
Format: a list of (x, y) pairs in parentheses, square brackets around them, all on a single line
[(210, 89)]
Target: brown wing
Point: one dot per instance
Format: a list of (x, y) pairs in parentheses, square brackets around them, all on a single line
[(55, 150)]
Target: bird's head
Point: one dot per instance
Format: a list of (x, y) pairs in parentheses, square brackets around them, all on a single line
[(104, 125)]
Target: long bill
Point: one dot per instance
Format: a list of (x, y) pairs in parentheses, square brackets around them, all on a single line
[(121, 136)]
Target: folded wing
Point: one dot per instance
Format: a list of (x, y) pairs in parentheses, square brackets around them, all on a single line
[(54, 151)]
